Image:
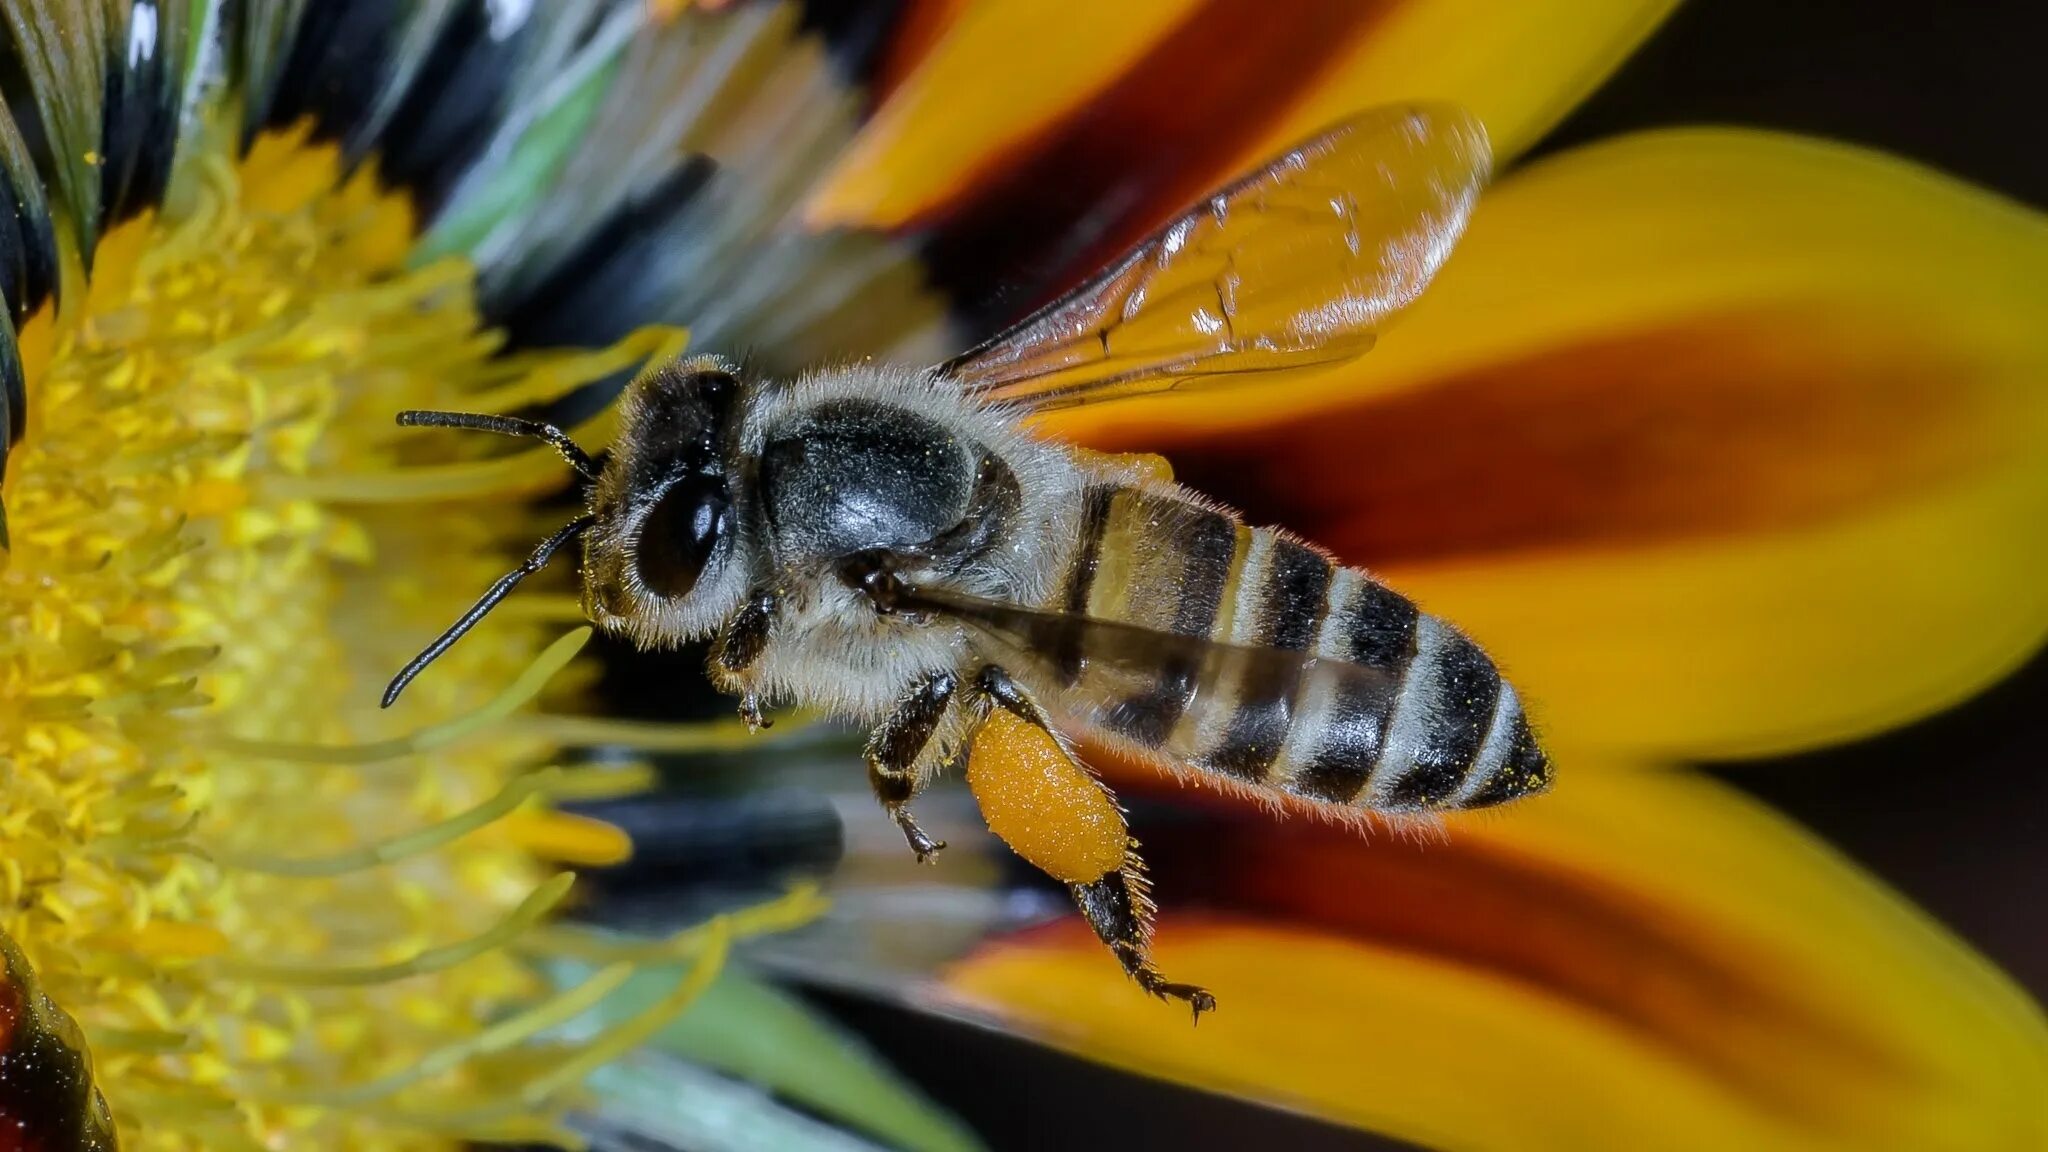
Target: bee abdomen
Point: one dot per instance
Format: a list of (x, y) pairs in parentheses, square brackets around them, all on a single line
[(1428, 724), (1439, 730), (1444, 730)]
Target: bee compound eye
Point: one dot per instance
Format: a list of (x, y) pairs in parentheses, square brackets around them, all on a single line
[(715, 387), (682, 534)]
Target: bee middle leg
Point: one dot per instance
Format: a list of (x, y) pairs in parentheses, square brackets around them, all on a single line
[(898, 767), (1054, 813)]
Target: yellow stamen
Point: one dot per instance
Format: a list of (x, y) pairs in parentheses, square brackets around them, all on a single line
[(426, 839), (221, 546), (164, 940), (525, 473), (706, 943), (604, 781), (515, 695), (711, 944), (537, 904), (567, 838), (508, 1033), (181, 1105), (795, 908), (636, 1030), (519, 474), (556, 377), (153, 1040), (646, 736)]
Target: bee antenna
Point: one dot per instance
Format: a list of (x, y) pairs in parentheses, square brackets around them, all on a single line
[(505, 426), (489, 600)]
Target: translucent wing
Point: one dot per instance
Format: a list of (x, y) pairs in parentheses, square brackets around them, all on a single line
[(1140, 686), (1296, 266)]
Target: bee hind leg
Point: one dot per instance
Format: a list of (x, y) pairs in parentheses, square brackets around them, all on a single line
[(1054, 812), (898, 768), (1119, 907)]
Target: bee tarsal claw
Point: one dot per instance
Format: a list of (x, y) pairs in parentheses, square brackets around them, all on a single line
[(750, 711), (921, 843), (1198, 999)]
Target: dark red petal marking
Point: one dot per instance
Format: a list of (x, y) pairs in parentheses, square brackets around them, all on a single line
[(1729, 425), (1067, 200)]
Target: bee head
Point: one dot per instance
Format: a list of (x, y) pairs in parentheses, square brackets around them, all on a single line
[(660, 557), (658, 538)]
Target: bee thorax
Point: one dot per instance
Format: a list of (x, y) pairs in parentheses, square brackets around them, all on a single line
[(857, 474)]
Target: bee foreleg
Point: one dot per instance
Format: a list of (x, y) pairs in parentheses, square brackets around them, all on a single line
[(896, 751), (741, 640)]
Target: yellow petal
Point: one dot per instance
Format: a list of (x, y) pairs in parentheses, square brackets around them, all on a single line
[(1204, 89), (1737, 647), (568, 838), (1520, 66), (999, 72), (1722, 442), (1649, 962)]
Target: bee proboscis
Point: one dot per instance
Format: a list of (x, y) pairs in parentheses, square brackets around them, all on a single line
[(897, 547)]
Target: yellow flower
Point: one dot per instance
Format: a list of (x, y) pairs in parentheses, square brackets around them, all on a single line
[(191, 595), (279, 916)]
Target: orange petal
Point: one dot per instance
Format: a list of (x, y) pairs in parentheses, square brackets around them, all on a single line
[(1039, 147), (997, 73), (1652, 962), (921, 26), (1722, 442), (1519, 66)]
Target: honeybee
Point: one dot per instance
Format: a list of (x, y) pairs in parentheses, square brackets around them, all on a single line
[(897, 547)]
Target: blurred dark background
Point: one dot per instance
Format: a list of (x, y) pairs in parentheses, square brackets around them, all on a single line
[(1957, 87)]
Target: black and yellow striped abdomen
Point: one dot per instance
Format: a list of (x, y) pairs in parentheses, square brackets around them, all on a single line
[(1383, 707)]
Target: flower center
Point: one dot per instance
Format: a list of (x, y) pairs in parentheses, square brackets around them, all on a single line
[(273, 917)]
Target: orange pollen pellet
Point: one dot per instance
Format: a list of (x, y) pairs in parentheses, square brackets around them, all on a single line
[(1045, 806)]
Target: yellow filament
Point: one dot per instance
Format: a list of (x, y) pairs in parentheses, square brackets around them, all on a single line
[(170, 940), (712, 942), (645, 736), (639, 1028), (653, 346), (522, 689), (224, 1134), (508, 1033), (190, 1103), (397, 848), (603, 781), (519, 921), (534, 1130), (138, 838), (439, 278), (153, 1041), (795, 908), (520, 473), (357, 930)]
